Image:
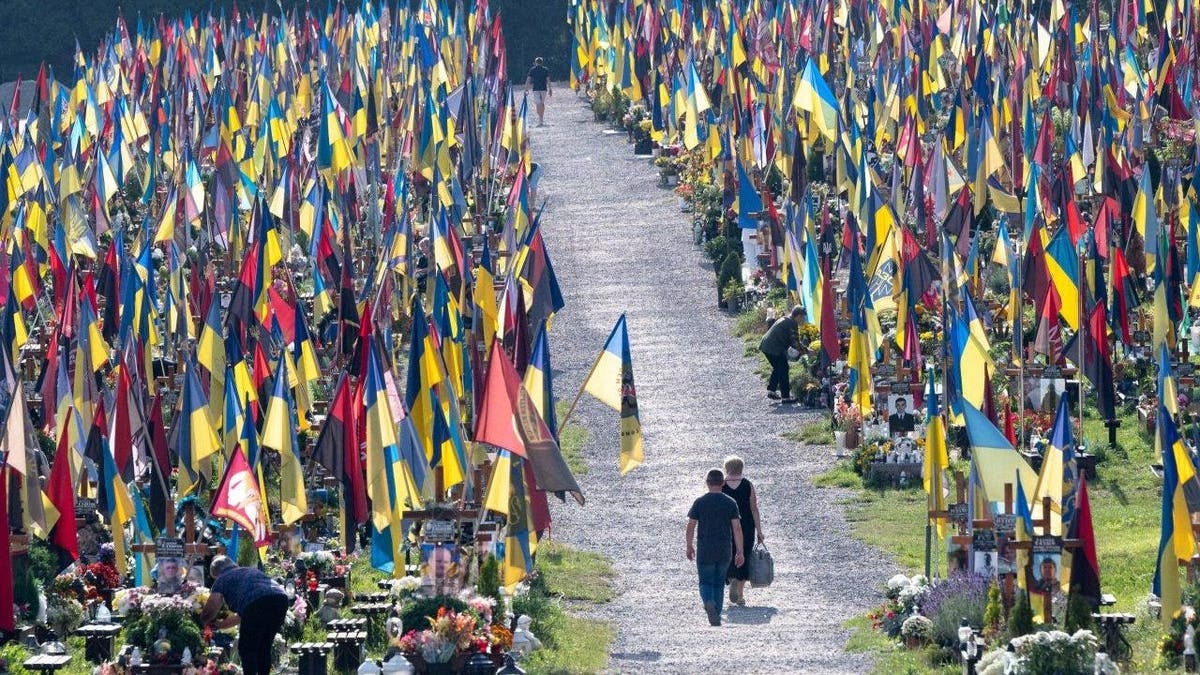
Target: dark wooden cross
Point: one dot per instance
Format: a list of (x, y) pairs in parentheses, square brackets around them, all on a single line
[(1044, 524), (957, 513)]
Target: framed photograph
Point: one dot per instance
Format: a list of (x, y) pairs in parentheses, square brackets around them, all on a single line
[(986, 563), (440, 565), (169, 575), (901, 420)]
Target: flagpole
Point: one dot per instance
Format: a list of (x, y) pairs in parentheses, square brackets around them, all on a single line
[(1018, 344), (1079, 334), (563, 422)]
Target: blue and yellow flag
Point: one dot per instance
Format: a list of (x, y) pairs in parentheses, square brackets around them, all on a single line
[(279, 434), (611, 381)]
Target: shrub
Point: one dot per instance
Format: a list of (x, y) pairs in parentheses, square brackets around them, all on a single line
[(416, 615), (950, 601), (716, 248), (994, 610), (1020, 621), (1079, 613), (731, 269), (917, 627), (489, 582)]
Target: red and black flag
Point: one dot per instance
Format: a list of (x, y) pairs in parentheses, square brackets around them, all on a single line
[(1085, 566), (337, 451)]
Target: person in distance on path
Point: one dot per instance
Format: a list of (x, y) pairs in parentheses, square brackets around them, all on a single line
[(251, 595), (714, 537), (782, 335), (538, 80)]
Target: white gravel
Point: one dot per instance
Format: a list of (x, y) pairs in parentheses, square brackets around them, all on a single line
[(619, 244)]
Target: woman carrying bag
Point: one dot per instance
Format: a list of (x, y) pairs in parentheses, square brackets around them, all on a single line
[(743, 492)]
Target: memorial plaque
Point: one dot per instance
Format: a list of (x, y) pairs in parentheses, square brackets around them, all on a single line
[(958, 513), (1185, 369), (169, 547), (885, 370), (1047, 544), (84, 507), (439, 531), (1006, 523), (901, 385), (1141, 336), (1051, 372), (984, 540)]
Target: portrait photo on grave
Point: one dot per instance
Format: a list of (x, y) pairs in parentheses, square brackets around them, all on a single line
[(901, 420), (440, 565), (169, 575), (1037, 388), (1006, 557), (1045, 571), (985, 564)]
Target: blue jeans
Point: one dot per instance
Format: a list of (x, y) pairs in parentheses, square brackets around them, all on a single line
[(712, 582)]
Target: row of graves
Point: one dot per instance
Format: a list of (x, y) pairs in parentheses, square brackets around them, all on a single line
[(444, 608), (964, 316), (327, 352)]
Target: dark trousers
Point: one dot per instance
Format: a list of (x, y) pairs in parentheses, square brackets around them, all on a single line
[(780, 379), (261, 621)]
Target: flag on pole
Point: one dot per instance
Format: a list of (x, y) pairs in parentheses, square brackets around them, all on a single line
[(239, 500), (611, 381), (937, 460), (1180, 499), (279, 434)]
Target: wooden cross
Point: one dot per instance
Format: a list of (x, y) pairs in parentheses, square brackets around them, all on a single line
[(957, 513), (1044, 524)]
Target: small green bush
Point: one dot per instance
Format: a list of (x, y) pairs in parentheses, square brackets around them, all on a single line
[(1020, 621), (488, 585), (416, 615), (716, 248), (731, 269)]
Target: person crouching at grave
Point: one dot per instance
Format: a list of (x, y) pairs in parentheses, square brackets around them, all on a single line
[(784, 334), (249, 593)]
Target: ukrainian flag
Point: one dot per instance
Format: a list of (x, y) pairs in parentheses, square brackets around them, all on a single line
[(279, 433), (1180, 499), (937, 459), (611, 381)]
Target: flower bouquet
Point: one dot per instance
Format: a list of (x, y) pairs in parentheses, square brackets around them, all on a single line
[(162, 626), (444, 646)]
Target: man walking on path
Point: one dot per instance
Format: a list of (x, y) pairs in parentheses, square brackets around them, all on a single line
[(782, 334), (539, 81), (715, 515)]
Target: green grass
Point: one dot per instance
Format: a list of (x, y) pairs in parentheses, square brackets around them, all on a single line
[(840, 476), (571, 439), (568, 580), (812, 433), (576, 575), (891, 658), (1125, 500)]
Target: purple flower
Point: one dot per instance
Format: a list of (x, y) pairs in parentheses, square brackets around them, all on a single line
[(967, 586)]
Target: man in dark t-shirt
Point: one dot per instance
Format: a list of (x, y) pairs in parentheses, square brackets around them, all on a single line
[(538, 81), (249, 593), (716, 528)]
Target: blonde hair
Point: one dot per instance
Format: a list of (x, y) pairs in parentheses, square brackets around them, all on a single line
[(734, 466)]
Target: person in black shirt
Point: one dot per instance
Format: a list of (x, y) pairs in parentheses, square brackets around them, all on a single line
[(538, 81), (714, 524)]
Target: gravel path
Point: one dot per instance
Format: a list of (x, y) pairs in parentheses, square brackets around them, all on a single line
[(620, 244)]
